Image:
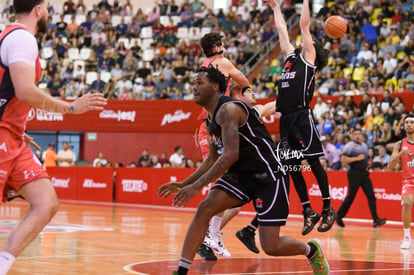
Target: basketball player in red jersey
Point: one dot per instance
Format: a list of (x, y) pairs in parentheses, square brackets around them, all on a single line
[(19, 168), (213, 48), (404, 151)]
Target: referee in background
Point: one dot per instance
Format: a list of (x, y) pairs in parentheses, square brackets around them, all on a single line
[(355, 154)]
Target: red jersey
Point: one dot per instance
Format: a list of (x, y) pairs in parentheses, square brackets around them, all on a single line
[(13, 113), (206, 63), (407, 161)]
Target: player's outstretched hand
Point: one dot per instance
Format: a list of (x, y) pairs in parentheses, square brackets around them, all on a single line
[(89, 102), (169, 188), (271, 3), (184, 195)]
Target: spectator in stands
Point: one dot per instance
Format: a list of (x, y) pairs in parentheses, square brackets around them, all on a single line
[(99, 160), (386, 101), (49, 157), (177, 159), (186, 16), (153, 15), (54, 87), (330, 152), (121, 29), (369, 32), (383, 157), (364, 56), (319, 108), (390, 65), (134, 28), (122, 83), (98, 84), (61, 27), (65, 156), (154, 162), (124, 94)]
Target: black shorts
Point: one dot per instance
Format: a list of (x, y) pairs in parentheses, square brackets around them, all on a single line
[(298, 133), (270, 196)]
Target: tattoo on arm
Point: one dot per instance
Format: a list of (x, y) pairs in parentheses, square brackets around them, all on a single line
[(230, 140)]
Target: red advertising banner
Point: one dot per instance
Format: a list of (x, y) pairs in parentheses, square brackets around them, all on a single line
[(150, 116), (65, 180), (95, 184), (140, 185), (82, 183), (129, 116)]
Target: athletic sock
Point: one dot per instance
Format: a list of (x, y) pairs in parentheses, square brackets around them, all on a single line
[(6, 261), (215, 224), (407, 232), (183, 266), (310, 250), (306, 205)]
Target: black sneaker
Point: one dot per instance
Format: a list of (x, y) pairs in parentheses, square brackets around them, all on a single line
[(340, 222), (328, 219), (310, 219), (247, 238), (206, 253), (379, 222)]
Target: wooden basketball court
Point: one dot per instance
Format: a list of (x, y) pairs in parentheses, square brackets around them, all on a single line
[(90, 238)]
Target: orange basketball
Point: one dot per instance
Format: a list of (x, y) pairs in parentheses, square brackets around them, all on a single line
[(335, 26)]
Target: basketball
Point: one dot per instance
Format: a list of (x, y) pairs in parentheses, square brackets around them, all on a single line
[(335, 26)]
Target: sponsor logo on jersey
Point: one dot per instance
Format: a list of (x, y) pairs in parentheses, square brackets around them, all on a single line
[(259, 203), (2, 101), (3, 147), (3, 174), (178, 116)]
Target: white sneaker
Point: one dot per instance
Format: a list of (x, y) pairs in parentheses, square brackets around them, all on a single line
[(219, 248), (406, 243), (209, 241)]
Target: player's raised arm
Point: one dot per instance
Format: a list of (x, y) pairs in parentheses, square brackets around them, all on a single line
[(281, 27), (307, 41)]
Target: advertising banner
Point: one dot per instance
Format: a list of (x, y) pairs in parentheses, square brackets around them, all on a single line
[(140, 185), (82, 183)]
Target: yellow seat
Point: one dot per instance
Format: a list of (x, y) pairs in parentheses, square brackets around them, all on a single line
[(358, 73), (389, 81), (331, 4), (400, 54), (270, 85), (375, 22), (330, 60), (388, 20), (375, 13), (347, 71), (273, 63), (351, 3)]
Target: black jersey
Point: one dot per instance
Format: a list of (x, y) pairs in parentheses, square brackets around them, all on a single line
[(296, 84), (257, 152)]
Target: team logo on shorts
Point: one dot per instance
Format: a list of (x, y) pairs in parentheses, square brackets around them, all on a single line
[(259, 203)]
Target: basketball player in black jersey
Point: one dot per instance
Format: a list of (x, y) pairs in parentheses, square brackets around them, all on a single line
[(242, 156), (298, 134)]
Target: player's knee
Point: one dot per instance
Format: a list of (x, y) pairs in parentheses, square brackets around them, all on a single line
[(207, 207), (407, 203), (272, 249)]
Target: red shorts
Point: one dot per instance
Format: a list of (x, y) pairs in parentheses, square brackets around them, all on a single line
[(407, 187), (23, 168), (203, 139)]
